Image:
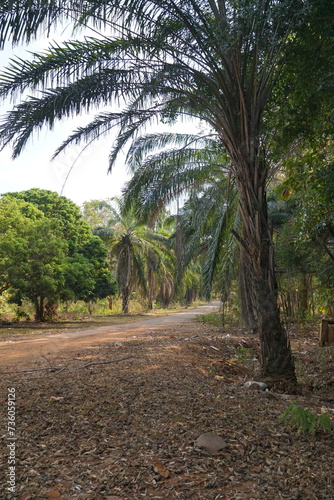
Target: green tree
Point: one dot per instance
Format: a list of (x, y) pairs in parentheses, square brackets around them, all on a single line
[(17, 220), (49, 254), (218, 61), (166, 166), (137, 251), (97, 213), (306, 241), (38, 278), (96, 253), (64, 213), (86, 274)]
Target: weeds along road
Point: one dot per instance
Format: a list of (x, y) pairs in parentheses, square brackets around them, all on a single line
[(38, 349)]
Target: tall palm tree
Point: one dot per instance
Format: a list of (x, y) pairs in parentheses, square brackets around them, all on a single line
[(168, 165), (215, 60), (140, 254)]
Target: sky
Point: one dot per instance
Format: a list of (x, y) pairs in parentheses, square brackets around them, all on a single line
[(80, 177), (79, 173)]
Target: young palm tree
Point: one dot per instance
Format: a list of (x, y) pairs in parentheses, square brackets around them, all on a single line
[(215, 60)]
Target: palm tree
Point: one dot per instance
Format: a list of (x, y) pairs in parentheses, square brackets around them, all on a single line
[(140, 254), (214, 60), (166, 166)]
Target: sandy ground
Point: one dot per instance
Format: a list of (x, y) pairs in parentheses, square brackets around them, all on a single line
[(31, 350)]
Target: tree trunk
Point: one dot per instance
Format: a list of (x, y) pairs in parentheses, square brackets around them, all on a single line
[(90, 306), (277, 364), (125, 299), (50, 310), (247, 295), (304, 299), (39, 309), (189, 296), (151, 286), (166, 291)]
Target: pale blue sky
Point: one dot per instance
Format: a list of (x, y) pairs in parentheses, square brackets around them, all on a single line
[(88, 178)]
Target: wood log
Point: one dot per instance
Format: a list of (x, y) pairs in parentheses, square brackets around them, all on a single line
[(331, 334), (326, 332), (323, 339)]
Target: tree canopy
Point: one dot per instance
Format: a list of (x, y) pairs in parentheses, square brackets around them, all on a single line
[(46, 258)]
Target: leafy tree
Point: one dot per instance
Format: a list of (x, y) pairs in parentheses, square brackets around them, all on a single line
[(305, 243), (86, 274), (96, 253), (217, 60), (17, 220), (97, 213), (64, 213), (39, 263), (38, 277)]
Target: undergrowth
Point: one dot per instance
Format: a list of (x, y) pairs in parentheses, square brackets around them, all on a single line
[(306, 422)]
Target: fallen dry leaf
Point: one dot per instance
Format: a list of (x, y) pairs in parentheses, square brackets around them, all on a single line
[(123, 427), (52, 495), (159, 467), (56, 398)]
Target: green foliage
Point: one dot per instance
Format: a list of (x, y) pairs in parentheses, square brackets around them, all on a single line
[(304, 236), (18, 220), (97, 213), (220, 62), (211, 318), (306, 422), (243, 353), (21, 315), (66, 216), (166, 166), (48, 254), (143, 259)]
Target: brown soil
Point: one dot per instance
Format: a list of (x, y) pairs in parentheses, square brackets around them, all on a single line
[(28, 349), (117, 416)]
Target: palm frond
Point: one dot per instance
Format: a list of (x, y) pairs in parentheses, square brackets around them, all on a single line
[(32, 114), (68, 62), (22, 20), (150, 143)]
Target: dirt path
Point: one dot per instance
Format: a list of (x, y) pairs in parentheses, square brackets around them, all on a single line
[(35, 350)]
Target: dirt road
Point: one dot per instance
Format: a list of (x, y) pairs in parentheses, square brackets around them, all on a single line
[(37, 350)]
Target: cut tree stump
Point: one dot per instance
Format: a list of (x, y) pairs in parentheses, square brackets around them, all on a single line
[(326, 332)]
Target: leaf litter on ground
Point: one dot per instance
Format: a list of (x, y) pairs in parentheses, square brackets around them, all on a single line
[(128, 430)]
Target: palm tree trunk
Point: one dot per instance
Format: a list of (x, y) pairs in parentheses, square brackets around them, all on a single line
[(125, 299), (150, 282), (277, 364), (247, 295), (250, 169)]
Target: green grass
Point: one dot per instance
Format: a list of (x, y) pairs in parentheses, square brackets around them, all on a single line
[(213, 318), (230, 318)]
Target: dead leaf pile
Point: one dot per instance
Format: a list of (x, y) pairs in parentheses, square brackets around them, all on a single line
[(128, 430)]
